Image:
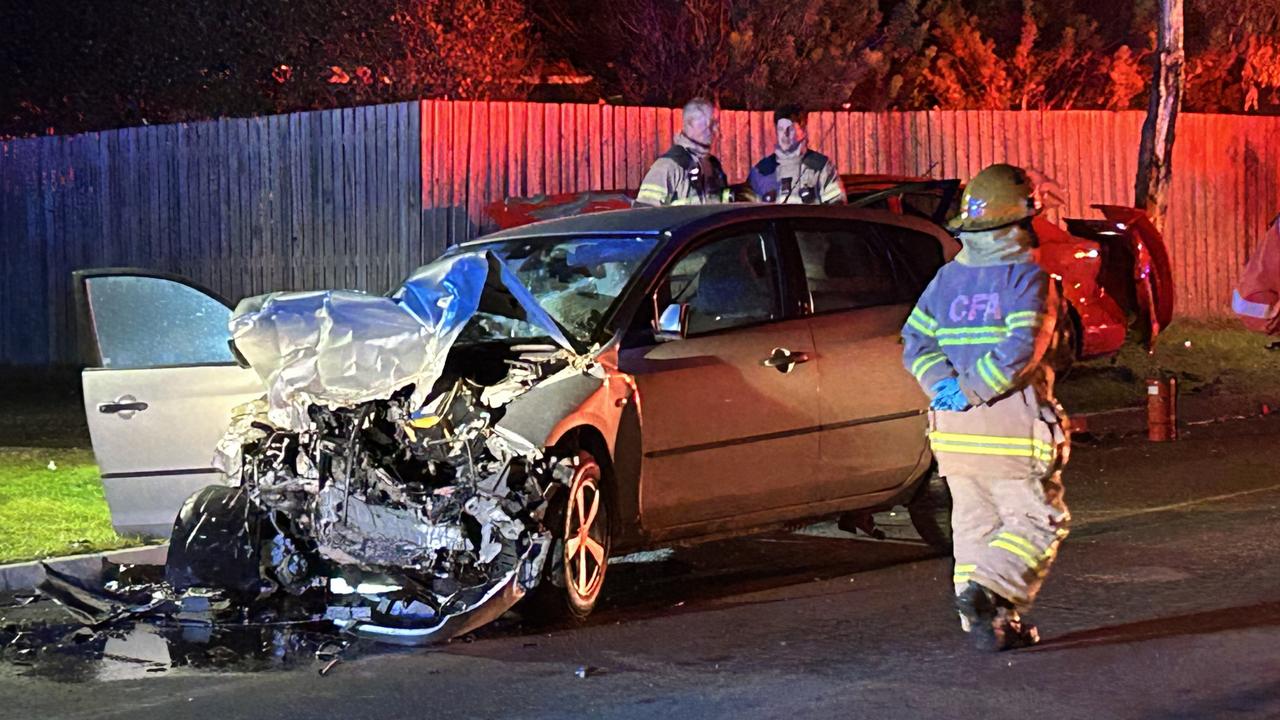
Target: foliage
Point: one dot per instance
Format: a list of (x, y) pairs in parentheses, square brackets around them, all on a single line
[(84, 64), (741, 52)]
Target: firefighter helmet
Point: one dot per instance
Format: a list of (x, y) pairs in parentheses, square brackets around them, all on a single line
[(999, 195)]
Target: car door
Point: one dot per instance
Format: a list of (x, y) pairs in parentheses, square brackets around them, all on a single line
[(729, 412), (863, 279), (158, 390)]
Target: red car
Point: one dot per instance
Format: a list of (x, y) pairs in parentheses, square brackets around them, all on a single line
[(1115, 271)]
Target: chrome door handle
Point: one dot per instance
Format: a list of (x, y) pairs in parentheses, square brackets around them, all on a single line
[(783, 360)]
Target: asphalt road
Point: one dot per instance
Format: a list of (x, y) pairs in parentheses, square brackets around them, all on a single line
[(1165, 604)]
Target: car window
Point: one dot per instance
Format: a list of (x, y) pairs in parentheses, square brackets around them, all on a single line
[(860, 264), (145, 322), (727, 283), (916, 258), (575, 279)]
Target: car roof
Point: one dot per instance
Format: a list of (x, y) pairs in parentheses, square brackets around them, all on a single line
[(635, 221), (675, 221)]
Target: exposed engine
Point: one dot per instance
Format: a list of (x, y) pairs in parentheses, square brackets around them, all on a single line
[(407, 516)]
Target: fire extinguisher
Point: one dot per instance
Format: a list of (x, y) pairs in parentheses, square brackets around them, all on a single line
[(1162, 409)]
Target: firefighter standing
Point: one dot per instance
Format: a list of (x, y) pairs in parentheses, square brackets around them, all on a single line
[(688, 174), (794, 173), (981, 341)]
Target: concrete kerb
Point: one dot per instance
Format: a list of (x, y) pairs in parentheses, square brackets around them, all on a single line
[(25, 576)]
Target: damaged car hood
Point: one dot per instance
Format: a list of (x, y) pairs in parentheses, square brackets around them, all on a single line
[(340, 348)]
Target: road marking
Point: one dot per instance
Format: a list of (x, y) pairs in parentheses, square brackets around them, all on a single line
[(1101, 517)]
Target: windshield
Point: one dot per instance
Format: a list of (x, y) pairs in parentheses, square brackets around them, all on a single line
[(575, 279)]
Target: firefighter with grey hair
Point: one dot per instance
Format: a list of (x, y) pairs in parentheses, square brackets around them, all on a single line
[(688, 174), (983, 341), (794, 173)]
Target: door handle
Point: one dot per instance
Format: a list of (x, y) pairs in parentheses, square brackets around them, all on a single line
[(125, 406), (783, 360)]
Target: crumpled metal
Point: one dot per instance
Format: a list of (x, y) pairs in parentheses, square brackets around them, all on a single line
[(340, 348)]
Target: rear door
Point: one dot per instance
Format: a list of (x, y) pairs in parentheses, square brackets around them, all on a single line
[(729, 441), (160, 383), (863, 279)]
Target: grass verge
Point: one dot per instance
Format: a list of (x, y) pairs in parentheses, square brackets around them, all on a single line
[(53, 512), (1207, 357)]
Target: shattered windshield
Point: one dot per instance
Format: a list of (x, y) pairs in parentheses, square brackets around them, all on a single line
[(575, 279)]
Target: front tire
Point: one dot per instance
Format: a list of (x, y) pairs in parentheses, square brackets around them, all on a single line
[(571, 586)]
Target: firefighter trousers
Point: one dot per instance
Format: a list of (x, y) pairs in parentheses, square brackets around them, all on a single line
[(1006, 532)]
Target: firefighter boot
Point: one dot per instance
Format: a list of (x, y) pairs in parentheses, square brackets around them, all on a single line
[(978, 612), (992, 622), (1010, 630)]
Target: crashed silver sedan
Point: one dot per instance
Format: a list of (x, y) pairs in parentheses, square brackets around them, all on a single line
[(518, 411)]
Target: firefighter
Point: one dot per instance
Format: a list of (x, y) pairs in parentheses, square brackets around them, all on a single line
[(794, 173), (1256, 299), (688, 174), (982, 341)]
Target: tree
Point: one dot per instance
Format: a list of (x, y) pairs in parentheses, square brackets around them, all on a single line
[(1155, 154), (742, 52)]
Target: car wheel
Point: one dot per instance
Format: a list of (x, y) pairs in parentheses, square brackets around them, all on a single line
[(571, 586), (930, 511), (217, 543)]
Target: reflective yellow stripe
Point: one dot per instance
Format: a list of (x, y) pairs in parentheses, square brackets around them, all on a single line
[(1027, 558), (923, 317), (1032, 452), (961, 579), (965, 568), (986, 340), (986, 374), (995, 371), (919, 326), (978, 330), (1019, 540), (1021, 315), (983, 450), (924, 362), (989, 439), (652, 193), (992, 440), (991, 445), (832, 192)]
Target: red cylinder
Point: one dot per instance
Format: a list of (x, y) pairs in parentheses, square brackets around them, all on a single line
[(1162, 409)]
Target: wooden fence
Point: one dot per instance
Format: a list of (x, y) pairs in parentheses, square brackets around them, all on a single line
[(358, 197)]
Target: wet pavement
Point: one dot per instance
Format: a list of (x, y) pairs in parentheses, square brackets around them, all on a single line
[(1165, 603)]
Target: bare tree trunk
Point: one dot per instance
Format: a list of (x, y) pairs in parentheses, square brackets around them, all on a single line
[(1155, 155)]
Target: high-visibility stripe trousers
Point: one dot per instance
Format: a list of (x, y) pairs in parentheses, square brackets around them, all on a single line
[(1006, 532)]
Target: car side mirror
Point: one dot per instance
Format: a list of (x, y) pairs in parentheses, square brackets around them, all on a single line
[(673, 323)]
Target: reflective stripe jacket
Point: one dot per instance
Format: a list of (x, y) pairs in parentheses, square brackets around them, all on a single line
[(1257, 296), (683, 176), (994, 329), (805, 177)]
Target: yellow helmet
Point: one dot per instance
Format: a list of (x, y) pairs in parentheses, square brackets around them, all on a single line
[(999, 195)]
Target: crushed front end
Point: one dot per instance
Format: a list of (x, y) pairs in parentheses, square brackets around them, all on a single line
[(374, 473)]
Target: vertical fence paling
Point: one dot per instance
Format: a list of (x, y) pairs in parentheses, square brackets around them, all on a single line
[(360, 196)]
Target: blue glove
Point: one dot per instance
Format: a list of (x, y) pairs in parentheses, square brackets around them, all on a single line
[(947, 395)]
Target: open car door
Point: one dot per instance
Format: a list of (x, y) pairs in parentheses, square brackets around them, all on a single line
[(159, 386)]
